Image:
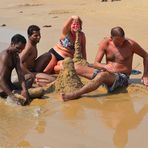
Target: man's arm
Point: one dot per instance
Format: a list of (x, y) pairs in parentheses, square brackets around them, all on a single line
[(4, 85), (141, 52), (22, 79), (100, 54)]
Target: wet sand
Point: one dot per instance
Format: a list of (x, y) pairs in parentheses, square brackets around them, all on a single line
[(98, 119)]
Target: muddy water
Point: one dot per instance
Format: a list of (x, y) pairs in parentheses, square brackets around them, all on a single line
[(117, 120)]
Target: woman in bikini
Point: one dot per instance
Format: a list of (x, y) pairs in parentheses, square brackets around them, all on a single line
[(65, 47)]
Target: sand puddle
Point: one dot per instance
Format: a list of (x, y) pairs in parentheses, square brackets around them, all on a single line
[(117, 117)]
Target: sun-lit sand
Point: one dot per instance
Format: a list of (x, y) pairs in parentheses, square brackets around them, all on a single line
[(97, 120)]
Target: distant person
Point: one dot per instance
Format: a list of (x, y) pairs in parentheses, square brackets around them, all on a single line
[(115, 73), (9, 59), (107, 0), (30, 62), (65, 47)]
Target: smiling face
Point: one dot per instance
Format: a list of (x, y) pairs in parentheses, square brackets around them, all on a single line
[(35, 37), (75, 26)]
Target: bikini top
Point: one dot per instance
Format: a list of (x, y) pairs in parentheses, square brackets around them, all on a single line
[(67, 43)]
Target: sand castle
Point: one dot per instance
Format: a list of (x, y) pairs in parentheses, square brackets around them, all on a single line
[(78, 59), (67, 80)]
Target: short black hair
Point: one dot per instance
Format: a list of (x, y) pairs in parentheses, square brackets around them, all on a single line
[(32, 28), (17, 38), (117, 31)]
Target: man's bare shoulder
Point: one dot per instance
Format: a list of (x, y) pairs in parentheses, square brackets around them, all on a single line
[(130, 41), (29, 47), (27, 50), (135, 47), (5, 55)]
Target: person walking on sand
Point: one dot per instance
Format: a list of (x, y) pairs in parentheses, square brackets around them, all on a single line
[(65, 47), (30, 63), (9, 60), (115, 73)]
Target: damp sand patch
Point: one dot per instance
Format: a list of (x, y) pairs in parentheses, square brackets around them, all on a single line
[(137, 88), (60, 11), (25, 5), (29, 5)]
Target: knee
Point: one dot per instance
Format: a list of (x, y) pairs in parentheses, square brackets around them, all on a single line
[(102, 76)]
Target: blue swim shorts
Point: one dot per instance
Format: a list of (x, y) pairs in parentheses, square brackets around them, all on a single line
[(120, 81)]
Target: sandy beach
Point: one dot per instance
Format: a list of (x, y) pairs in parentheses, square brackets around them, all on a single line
[(96, 120)]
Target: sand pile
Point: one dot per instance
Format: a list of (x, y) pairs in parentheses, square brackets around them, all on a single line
[(78, 59), (33, 93), (67, 80)]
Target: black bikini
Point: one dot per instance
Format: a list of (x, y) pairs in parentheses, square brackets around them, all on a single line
[(58, 57)]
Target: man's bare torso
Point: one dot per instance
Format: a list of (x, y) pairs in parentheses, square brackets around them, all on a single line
[(120, 57), (6, 66), (31, 52)]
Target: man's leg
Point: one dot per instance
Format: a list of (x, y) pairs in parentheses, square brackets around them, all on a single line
[(102, 78), (84, 71), (42, 79)]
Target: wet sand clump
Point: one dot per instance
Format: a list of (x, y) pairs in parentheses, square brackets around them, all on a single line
[(33, 93), (78, 59), (67, 80), (137, 88)]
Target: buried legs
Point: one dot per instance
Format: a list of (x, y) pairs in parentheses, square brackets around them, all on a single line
[(103, 77), (43, 79)]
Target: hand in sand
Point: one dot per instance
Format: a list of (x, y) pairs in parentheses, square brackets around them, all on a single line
[(14, 101)]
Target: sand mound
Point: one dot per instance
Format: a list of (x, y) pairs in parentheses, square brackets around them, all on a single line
[(78, 59), (33, 92), (67, 80)]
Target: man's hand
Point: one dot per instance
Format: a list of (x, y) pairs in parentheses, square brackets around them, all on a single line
[(109, 68), (15, 101), (26, 95)]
